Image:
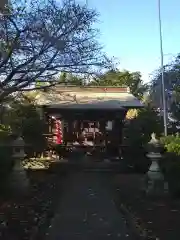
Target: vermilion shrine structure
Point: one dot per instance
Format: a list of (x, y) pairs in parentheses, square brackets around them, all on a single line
[(79, 116)]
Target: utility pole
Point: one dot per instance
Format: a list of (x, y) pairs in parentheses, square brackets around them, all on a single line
[(162, 71)]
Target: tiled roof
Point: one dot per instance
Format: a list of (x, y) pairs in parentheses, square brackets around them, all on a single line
[(88, 97)]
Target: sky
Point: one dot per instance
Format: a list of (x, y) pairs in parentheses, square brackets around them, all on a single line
[(130, 31)]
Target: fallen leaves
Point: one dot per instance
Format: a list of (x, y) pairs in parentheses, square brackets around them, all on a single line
[(154, 218), (20, 217)]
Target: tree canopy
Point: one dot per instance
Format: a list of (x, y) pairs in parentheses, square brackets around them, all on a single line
[(112, 77), (132, 80), (172, 87), (42, 38)]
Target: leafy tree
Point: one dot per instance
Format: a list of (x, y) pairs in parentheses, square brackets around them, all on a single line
[(23, 118), (42, 38), (138, 129), (172, 86), (139, 126), (175, 103), (69, 78), (117, 78), (172, 93)]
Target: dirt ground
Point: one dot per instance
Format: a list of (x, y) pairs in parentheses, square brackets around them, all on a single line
[(156, 218)]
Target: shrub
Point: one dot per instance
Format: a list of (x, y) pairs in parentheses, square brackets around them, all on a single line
[(136, 135), (33, 133), (139, 129), (170, 164), (23, 117), (168, 139), (172, 143), (174, 148), (6, 162), (4, 134), (135, 157)]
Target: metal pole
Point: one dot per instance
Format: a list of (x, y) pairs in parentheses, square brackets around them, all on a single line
[(162, 71)]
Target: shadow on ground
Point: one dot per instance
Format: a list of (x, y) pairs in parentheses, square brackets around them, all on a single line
[(156, 218), (25, 216)]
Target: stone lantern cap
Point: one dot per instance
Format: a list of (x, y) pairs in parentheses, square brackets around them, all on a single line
[(18, 142), (154, 145)]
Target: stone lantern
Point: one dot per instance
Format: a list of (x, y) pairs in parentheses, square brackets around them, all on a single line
[(19, 177), (18, 148), (155, 179)]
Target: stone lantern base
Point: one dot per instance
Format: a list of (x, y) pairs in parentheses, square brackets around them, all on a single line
[(156, 187), (19, 181)]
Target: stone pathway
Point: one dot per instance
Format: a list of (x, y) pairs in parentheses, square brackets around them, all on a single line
[(86, 211)]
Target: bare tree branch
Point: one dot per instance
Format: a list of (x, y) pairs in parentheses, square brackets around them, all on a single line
[(44, 38)]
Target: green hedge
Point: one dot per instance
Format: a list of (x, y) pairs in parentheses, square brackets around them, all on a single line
[(172, 144), (170, 164)]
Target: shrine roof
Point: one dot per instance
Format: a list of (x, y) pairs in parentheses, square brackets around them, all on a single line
[(88, 98)]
